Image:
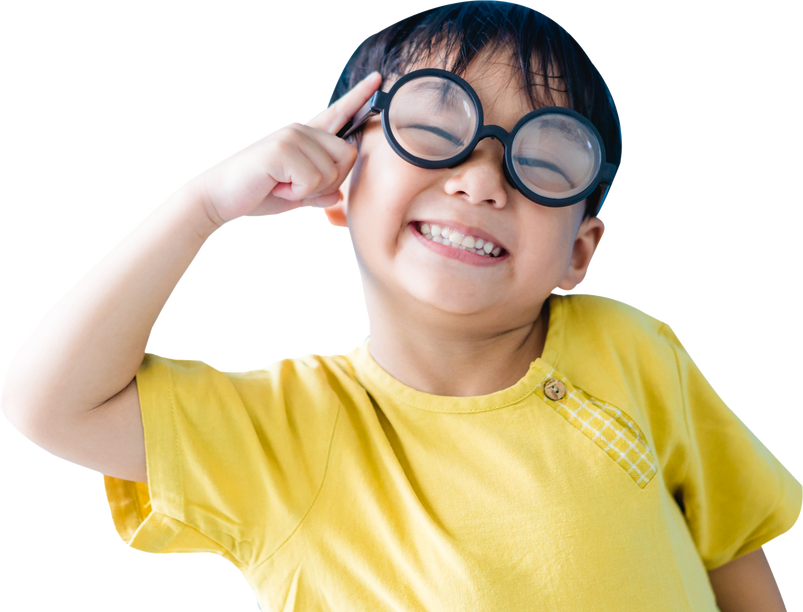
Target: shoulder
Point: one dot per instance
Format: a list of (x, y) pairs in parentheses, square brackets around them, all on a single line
[(323, 373), (593, 318), (603, 312), (613, 338), (310, 379), (625, 358)]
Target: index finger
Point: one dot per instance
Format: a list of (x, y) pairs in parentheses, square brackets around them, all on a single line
[(341, 111)]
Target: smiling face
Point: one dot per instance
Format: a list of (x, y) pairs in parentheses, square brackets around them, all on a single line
[(408, 276)]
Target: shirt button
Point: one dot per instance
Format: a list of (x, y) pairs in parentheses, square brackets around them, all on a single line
[(554, 389)]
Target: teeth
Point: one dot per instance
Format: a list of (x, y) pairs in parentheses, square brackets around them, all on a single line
[(456, 240)]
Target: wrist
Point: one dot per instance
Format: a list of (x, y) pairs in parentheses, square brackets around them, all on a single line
[(206, 221)]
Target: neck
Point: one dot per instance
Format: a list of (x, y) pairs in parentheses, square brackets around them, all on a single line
[(446, 359)]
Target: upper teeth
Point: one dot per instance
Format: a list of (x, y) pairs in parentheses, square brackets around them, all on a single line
[(455, 239)]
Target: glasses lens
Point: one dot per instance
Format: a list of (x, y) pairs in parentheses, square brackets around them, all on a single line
[(432, 118), (556, 155)]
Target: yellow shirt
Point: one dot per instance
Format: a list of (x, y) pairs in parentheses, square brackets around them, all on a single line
[(333, 486)]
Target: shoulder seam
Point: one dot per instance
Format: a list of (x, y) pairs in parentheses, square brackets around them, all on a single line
[(183, 519), (317, 494)]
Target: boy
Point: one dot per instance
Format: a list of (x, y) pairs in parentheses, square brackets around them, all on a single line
[(505, 448)]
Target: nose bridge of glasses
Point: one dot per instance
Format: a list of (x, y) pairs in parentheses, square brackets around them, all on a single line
[(492, 131)]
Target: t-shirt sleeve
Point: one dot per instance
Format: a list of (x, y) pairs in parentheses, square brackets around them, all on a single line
[(735, 494), (234, 460)]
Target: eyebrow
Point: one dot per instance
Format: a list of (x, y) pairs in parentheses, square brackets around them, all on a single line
[(441, 88)]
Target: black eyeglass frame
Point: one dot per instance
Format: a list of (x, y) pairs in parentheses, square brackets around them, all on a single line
[(380, 103)]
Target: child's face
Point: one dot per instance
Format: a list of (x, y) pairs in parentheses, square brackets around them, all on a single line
[(386, 198)]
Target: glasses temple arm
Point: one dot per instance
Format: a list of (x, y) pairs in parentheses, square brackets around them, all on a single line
[(368, 110), (607, 173)]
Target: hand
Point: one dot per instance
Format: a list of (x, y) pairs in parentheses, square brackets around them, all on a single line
[(298, 165)]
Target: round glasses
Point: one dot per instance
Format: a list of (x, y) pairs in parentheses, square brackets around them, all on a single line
[(432, 118)]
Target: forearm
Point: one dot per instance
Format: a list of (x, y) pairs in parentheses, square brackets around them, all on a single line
[(746, 584), (91, 343)]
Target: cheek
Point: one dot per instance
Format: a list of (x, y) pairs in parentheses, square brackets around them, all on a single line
[(379, 195), (385, 182), (549, 246)]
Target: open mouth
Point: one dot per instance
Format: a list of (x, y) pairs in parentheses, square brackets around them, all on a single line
[(452, 238)]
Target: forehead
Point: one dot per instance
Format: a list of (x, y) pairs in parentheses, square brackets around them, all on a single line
[(497, 78)]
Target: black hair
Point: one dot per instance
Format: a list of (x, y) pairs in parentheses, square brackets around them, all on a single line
[(462, 30)]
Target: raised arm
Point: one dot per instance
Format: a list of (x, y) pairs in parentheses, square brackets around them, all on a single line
[(72, 388), (88, 348)]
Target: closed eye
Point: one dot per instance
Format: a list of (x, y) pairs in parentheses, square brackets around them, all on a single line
[(438, 132), (533, 162)]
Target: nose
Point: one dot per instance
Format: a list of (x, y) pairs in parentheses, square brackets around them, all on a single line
[(481, 176)]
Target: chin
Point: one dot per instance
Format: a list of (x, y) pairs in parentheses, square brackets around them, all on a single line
[(454, 304)]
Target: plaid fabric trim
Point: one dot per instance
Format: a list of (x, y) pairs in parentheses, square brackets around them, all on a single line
[(607, 426)]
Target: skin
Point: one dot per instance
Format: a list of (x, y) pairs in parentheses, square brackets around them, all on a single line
[(439, 325), (746, 584)]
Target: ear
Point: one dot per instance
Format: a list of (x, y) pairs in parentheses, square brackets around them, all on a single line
[(588, 237), (337, 214)]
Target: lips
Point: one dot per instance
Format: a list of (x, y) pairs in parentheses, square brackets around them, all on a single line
[(466, 230), (465, 254)]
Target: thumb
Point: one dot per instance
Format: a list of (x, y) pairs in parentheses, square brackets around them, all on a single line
[(330, 199)]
